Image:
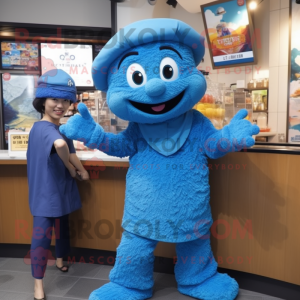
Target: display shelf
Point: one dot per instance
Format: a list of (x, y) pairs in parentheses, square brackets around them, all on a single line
[(259, 89), (259, 111), (271, 133)]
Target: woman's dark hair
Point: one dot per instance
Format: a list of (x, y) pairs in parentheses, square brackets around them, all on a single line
[(38, 104)]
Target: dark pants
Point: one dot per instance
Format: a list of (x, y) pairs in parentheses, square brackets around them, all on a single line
[(41, 240)]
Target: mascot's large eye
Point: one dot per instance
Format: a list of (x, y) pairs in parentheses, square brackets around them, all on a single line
[(168, 69), (136, 76)]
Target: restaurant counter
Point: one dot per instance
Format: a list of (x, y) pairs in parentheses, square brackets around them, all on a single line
[(255, 201)]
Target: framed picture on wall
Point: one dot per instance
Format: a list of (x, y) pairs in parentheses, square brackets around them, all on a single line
[(229, 32), (18, 92)]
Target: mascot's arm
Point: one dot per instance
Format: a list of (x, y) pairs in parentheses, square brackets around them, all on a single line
[(83, 128), (122, 144), (235, 136)]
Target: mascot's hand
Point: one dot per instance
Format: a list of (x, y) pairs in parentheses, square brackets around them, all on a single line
[(241, 130), (83, 128)]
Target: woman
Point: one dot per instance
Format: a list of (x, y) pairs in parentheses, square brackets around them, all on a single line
[(52, 166)]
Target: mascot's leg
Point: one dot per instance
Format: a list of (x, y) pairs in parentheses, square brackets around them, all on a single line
[(196, 273), (132, 276)]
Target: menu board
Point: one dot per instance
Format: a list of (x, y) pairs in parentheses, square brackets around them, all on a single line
[(76, 60), (228, 31), (19, 56)]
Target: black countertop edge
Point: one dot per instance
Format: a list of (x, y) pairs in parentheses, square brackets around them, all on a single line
[(274, 148)]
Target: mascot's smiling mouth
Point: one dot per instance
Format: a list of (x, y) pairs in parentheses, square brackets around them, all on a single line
[(160, 108)]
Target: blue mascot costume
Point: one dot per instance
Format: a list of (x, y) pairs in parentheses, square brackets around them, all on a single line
[(148, 70)]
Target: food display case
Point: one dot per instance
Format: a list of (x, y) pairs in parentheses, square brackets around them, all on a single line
[(97, 105), (220, 104), (105, 117), (235, 101), (212, 103), (228, 95), (243, 100), (99, 110)]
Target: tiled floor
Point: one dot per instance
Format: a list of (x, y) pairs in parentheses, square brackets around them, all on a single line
[(16, 283)]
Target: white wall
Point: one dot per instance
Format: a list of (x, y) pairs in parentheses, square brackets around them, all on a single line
[(136, 10), (93, 13)]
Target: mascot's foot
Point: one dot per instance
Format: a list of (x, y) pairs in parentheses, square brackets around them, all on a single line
[(218, 287), (113, 291)]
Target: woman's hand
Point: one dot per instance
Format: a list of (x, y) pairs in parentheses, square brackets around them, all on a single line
[(84, 175)]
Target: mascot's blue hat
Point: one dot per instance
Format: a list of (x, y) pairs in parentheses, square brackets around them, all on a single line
[(140, 33), (56, 84)]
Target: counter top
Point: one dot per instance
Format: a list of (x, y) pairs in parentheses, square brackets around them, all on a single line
[(86, 157), (90, 157)]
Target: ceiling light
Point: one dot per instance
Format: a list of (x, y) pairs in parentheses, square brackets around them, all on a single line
[(253, 5)]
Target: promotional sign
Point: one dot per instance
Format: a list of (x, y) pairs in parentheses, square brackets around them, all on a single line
[(17, 143), (19, 56), (228, 31), (294, 88), (76, 60)]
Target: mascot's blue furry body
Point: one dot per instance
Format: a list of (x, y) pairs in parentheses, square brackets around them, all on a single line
[(149, 73)]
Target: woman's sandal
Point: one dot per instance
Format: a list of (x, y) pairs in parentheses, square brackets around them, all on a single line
[(61, 268), (40, 299)]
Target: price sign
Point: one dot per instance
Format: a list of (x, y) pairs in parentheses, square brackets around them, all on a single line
[(17, 143)]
